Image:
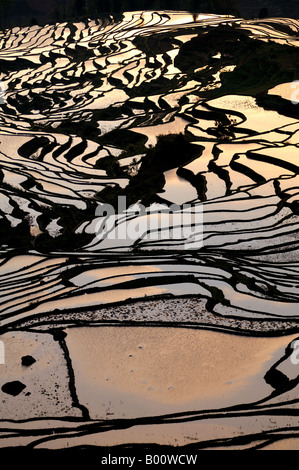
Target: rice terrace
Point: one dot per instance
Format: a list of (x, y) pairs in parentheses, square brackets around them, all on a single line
[(149, 234)]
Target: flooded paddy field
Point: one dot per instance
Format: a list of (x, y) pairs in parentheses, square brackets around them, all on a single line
[(149, 258)]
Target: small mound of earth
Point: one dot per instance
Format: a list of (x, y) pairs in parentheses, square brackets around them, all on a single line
[(28, 361), (13, 388)]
